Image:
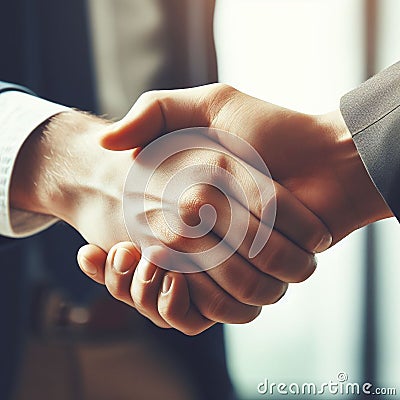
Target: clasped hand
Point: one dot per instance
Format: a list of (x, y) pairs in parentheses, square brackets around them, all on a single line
[(233, 291), (322, 194)]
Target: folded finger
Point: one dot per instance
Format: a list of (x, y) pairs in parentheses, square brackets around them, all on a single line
[(146, 286), (121, 263), (176, 309), (277, 255), (92, 260), (215, 304)]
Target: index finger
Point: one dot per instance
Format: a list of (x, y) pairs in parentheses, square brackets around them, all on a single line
[(159, 112)]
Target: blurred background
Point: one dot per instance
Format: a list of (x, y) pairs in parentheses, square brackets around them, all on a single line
[(302, 54), (305, 54)]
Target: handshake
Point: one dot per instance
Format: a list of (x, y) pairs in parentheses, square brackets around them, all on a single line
[(192, 228)]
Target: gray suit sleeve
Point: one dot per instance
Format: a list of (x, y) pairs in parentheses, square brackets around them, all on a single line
[(372, 114)]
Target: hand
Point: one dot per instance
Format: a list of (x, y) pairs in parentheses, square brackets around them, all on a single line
[(62, 171), (313, 157), (127, 283), (74, 179)]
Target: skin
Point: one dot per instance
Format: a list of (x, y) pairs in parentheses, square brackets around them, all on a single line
[(313, 157), (323, 194)]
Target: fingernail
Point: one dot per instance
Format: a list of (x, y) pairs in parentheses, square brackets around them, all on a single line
[(167, 283), (146, 270), (123, 260), (87, 266), (324, 244)]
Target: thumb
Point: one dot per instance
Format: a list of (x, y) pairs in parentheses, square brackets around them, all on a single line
[(92, 260), (159, 112)]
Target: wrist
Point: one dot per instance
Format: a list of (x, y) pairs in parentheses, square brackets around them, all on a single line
[(361, 194), (54, 169)]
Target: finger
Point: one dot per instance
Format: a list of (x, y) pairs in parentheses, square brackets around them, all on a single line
[(239, 230), (158, 112), (146, 286), (232, 272), (292, 218), (210, 299), (266, 199), (92, 260), (279, 257), (246, 283), (216, 304), (175, 307), (121, 263), (228, 269), (299, 224)]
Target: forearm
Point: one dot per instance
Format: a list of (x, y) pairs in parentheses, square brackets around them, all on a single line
[(54, 165), (63, 172)]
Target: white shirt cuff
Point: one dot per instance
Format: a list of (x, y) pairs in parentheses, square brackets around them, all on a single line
[(20, 115)]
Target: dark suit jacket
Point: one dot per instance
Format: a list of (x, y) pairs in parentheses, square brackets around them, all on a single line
[(46, 47)]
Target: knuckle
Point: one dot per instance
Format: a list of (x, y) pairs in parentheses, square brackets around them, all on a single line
[(150, 96), (218, 163), (219, 95), (155, 99), (192, 201), (220, 89)]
